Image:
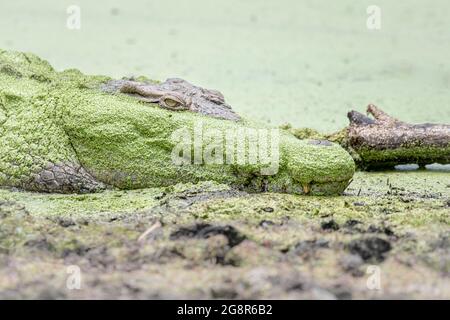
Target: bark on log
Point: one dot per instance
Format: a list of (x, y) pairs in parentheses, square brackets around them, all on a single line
[(384, 141)]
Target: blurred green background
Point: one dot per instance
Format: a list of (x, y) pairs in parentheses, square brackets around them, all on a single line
[(303, 62)]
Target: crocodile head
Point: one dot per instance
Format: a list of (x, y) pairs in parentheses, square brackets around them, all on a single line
[(176, 95), (68, 132)]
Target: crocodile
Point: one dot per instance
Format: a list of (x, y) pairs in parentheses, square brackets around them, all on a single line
[(68, 132)]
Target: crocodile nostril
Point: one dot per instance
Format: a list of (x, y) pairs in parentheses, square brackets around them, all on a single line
[(324, 143)]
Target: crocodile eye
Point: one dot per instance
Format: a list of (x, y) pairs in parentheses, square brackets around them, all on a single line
[(173, 102)]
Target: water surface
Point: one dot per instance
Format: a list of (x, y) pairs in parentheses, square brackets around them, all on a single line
[(304, 62)]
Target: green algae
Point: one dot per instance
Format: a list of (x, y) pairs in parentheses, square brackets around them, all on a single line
[(104, 205), (303, 133), (109, 204), (408, 194), (409, 154)]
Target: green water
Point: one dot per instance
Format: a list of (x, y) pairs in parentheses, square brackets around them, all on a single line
[(304, 62)]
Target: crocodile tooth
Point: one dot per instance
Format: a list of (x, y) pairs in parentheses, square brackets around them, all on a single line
[(306, 188)]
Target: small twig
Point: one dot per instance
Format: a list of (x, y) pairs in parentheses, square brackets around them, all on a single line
[(147, 232)]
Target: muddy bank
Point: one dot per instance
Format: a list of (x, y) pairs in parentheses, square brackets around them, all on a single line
[(209, 241)]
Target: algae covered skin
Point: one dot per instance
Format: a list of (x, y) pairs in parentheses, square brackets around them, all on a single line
[(60, 132)]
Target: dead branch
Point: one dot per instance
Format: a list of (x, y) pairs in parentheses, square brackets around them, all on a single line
[(385, 141)]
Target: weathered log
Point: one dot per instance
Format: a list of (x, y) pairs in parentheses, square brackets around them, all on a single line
[(384, 141)]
